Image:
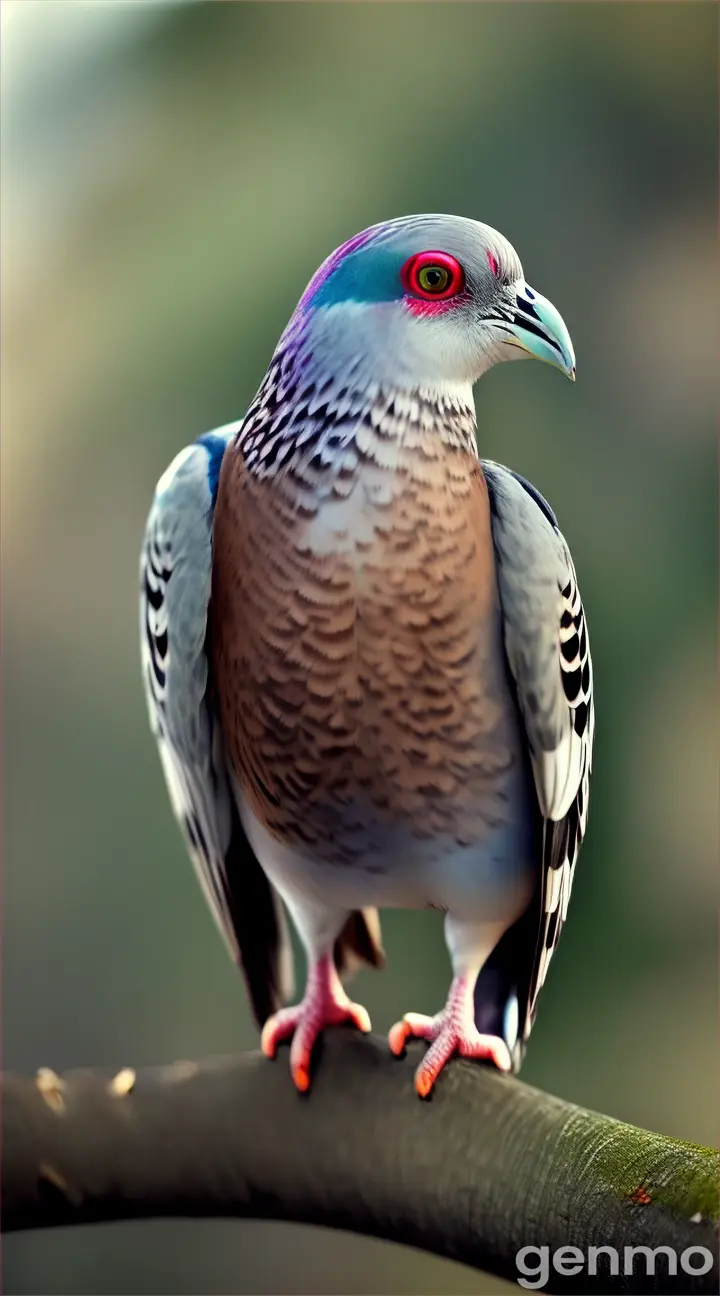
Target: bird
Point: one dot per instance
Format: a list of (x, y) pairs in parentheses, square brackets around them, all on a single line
[(365, 655)]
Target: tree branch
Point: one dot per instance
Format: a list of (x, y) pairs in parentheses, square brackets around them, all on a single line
[(486, 1167)]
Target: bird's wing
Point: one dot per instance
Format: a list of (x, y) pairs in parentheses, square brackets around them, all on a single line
[(547, 649), (175, 581)]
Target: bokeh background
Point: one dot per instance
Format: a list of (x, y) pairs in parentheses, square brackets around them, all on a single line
[(172, 175)]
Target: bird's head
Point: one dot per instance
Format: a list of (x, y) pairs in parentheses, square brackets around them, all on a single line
[(428, 301)]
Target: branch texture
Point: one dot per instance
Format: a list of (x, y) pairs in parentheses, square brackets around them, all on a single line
[(486, 1167)]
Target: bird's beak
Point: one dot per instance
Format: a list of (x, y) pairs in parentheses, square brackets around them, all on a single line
[(538, 328)]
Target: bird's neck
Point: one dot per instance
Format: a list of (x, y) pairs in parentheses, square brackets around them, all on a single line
[(304, 415)]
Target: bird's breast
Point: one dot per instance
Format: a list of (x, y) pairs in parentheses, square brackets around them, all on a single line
[(357, 655)]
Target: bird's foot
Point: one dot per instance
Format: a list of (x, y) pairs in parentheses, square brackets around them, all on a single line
[(323, 1004), (451, 1031)]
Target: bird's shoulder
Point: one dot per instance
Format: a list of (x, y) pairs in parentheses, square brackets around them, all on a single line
[(502, 484)]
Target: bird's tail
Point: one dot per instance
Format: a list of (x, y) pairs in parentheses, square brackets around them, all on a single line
[(359, 943)]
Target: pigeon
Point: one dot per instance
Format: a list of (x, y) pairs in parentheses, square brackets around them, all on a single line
[(365, 655)]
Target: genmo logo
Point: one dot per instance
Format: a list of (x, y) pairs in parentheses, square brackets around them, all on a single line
[(534, 1262)]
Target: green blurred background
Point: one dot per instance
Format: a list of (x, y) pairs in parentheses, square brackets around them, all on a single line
[(172, 175)]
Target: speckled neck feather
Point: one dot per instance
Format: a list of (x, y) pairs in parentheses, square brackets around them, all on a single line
[(317, 427)]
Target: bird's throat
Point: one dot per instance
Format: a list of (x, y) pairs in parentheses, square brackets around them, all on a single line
[(321, 428)]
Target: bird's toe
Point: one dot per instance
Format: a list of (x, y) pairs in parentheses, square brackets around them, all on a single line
[(412, 1026)]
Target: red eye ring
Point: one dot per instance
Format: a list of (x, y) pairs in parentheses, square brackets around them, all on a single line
[(494, 264), (450, 282)]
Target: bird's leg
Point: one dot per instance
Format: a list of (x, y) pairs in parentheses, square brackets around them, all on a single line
[(453, 1030), (324, 1002)]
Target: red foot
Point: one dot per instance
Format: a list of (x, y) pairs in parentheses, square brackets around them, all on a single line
[(451, 1031), (324, 1004)]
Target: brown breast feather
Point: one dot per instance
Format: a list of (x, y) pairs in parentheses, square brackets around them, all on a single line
[(356, 643)]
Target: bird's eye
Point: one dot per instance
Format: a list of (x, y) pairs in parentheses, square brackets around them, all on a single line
[(433, 275)]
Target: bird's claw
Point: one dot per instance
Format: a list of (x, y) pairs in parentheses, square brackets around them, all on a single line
[(446, 1036), (325, 1004)]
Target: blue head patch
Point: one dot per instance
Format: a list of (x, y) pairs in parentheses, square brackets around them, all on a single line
[(365, 269), (368, 275)]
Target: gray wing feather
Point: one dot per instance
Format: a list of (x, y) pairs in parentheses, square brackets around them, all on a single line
[(175, 582), (547, 648)]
